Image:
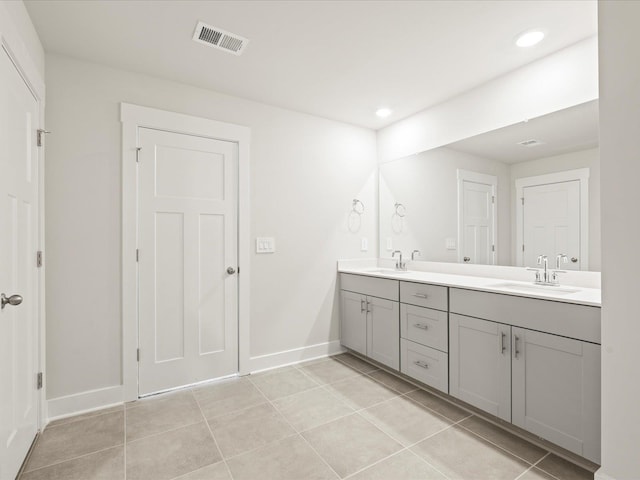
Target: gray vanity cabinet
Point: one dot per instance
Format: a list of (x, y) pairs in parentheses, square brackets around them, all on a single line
[(369, 317), (556, 390), (480, 364)]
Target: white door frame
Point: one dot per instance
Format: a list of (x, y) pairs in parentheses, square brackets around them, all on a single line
[(133, 117), (580, 174), (14, 48), (469, 176)]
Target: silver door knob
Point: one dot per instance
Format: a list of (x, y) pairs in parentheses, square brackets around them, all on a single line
[(231, 270), (574, 259), (467, 259), (12, 300)]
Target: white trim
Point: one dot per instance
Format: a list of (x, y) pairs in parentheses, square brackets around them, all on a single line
[(581, 174), (600, 475), (17, 52), (133, 117), (83, 402), (296, 355), (469, 176)]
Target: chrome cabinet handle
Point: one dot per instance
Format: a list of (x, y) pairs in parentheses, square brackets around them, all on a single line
[(231, 270), (13, 300), (421, 364), (420, 295), (421, 326), (368, 303), (515, 346), (502, 345), (362, 305)]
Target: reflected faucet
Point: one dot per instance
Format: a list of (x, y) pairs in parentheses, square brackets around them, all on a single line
[(400, 265), (414, 254), (544, 277)]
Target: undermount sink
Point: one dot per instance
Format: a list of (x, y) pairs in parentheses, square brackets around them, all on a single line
[(387, 271), (523, 287)]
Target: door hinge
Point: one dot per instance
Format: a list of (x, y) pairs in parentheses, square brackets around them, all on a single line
[(523, 247), (137, 255), (39, 380), (522, 199), (493, 248), (493, 199), (138, 154), (138, 355), (39, 258), (39, 136)]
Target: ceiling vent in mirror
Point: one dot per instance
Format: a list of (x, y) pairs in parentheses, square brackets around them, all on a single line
[(221, 39), (530, 143)]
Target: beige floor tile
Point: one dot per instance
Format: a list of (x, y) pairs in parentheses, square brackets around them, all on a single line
[(173, 411), (254, 427), (350, 444), (405, 420), (535, 474), (216, 471), (311, 408), (438, 405), (329, 371), (459, 454), (170, 454), (516, 445), (70, 440), (103, 465), (277, 384), (392, 381), (402, 466), (355, 362), (62, 421), (227, 396), (361, 391), (288, 459), (563, 470)]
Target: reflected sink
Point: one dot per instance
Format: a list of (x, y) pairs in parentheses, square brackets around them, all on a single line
[(387, 271), (533, 288)]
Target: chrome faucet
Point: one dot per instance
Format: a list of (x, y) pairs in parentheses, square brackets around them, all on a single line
[(400, 265), (413, 254), (544, 276), (544, 261)]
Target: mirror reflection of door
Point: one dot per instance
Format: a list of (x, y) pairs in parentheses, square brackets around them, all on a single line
[(476, 211), (551, 223)]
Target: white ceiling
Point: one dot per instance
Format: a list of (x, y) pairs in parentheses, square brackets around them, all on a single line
[(564, 131), (337, 59)]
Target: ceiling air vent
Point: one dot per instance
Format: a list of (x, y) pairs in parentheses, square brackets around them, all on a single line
[(530, 143), (220, 39)]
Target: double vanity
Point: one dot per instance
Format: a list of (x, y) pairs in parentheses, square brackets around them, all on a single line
[(524, 353)]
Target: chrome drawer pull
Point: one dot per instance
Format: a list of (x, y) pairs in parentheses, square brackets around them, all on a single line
[(422, 364), (421, 326), (420, 295), (515, 343), (503, 336), (362, 305)]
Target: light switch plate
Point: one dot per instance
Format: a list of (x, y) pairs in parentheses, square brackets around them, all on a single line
[(450, 243), (364, 245), (265, 245), (389, 243)]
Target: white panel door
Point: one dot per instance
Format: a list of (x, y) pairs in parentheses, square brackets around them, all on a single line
[(551, 223), (556, 390), (18, 274), (187, 237), (480, 364), (477, 223)]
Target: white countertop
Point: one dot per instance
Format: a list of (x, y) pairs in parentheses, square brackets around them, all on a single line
[(563, 293)]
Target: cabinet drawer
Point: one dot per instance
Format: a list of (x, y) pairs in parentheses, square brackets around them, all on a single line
[(425, 326), (422, 295), (427, 365), (372, 286)]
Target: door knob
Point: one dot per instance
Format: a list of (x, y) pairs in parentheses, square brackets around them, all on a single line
[(467, 259), (12, 300), (574, 259), (231, 270)]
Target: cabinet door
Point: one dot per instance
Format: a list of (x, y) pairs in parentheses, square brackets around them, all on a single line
[(353, 321), (556, 390), (383, 331), (480, 364)]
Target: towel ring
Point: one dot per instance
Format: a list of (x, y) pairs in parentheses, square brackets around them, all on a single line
[(357, 206), (400, 210)]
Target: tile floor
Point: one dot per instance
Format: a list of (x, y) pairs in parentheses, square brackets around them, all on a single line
[(332, 418)]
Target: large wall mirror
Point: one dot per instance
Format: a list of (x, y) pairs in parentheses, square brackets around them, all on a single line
[(500, 198)]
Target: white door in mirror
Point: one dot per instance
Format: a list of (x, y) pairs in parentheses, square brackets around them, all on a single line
[(477, 222)]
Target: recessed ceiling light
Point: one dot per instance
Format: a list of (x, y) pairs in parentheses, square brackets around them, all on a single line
[(530, 38), (383, 112)]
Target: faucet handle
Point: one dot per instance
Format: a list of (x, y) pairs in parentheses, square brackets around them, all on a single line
[(413, 254), (540, 259)]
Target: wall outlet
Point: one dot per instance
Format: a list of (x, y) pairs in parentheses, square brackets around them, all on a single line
[(265, 245), (450, 243), (364, 244), (389, 243)]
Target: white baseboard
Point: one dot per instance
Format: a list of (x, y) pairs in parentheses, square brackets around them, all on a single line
[(82, 402), (600, 475), (288, 357)]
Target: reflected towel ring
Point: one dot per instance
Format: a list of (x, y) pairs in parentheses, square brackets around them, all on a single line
[(357, 206), (400, 210)]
